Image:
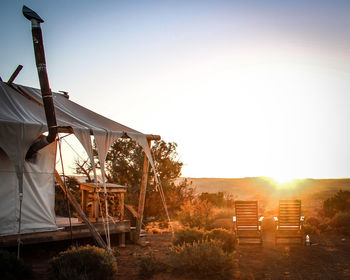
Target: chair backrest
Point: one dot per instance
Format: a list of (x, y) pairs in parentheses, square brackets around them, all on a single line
[(246, 214), (289, 213)]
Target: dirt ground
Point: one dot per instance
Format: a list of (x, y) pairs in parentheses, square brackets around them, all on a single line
[(327, 258)]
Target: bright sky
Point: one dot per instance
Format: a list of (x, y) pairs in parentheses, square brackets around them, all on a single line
[(245, 88)]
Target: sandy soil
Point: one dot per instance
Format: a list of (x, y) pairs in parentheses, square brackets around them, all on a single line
[(328, 258)]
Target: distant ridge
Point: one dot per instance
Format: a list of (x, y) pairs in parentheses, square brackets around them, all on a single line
[(257, 187)]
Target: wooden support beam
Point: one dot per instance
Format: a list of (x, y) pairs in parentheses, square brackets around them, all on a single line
[(142, 196), (81, 213), (153, 137), (14, 75)]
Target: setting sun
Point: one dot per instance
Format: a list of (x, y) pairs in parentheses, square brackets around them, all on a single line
[(283, 180)]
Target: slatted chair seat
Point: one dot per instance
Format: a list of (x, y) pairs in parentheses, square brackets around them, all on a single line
[(247, 224), (289, 223)]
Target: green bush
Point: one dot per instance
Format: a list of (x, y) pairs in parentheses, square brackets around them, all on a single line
[(202, 259), (13, 269), (150, 265), (227, 238), (188, 235), (84, 263), (341, 222)]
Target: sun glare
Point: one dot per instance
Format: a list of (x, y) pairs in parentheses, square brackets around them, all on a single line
[(283, 180)]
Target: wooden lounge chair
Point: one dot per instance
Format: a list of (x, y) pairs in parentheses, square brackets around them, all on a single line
[(289, 223), (247, 224)]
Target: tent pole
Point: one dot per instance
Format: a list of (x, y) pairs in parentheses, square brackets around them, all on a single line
[(19, 226), (142, 196)]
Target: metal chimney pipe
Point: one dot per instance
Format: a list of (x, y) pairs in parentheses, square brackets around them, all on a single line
[(44, 82)]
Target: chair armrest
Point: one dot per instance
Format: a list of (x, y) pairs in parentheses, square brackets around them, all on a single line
[(276, 222), (259, 222), (234, 219), (302, 218)]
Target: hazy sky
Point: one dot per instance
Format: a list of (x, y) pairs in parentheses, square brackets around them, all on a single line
[(246, 88)]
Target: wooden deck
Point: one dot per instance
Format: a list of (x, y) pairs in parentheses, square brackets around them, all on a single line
[(79, 230)]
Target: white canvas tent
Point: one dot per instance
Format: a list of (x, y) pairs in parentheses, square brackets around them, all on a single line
[(22, 121)]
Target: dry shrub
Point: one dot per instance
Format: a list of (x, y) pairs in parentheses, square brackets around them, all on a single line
[(227, 239), (150, 265), (84, 263), (164, 224), (188, 235), (156, 231), (224, 213), (341, 222), (196, 214), (225, 223), (191, 235), (340, 202), (202, 259), (313, 221), (312, 226), (13, 269)]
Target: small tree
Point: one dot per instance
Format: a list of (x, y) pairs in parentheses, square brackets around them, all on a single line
[(61, 202), (124, 163)]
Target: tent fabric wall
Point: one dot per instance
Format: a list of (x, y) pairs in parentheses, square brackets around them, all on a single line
[(38, 213), (22, 121)]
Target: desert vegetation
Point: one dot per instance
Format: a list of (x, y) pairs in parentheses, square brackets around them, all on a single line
[(204, 244), (86, 262), (334, 216)]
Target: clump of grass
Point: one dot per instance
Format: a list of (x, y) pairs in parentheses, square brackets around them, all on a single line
[(84, 263), (150, 265), (12, 268), (204, 259)]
